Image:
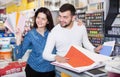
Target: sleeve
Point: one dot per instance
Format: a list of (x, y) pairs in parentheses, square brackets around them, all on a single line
[(22, 48), (49, 48), (86, 43)]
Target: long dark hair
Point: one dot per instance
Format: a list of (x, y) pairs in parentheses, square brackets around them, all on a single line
[(47, 12)]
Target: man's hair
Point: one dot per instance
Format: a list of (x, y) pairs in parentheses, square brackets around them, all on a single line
[(68, 7)]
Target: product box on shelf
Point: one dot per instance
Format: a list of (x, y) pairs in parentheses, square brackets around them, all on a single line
[(12, 67), (6, 54), (5, 49)]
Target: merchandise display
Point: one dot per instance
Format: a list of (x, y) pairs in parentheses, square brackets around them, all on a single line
[(113, 65), (114, 34), (18, 74), (11, 67), (95, 27), (5, 49)]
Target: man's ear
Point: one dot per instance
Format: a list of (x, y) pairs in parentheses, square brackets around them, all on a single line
[(74, 17)]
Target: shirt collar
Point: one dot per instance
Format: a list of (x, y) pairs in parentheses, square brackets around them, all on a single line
[(45, 33)]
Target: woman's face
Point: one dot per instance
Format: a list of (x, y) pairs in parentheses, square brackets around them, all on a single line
[(41, 20)]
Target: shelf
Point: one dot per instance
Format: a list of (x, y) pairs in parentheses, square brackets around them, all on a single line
[(97, 11), (92, 26), (83, 13), (96, 35), (95, 25), (116, 26), (117, 44), (112, 14), (82, 8), (108, 35)]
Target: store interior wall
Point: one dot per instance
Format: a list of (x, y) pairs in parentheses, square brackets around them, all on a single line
[(24, 5)]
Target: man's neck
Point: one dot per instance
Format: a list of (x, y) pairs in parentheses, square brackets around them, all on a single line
[(70, 26)]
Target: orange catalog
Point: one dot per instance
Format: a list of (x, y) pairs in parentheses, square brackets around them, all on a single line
[(81, 59), (77, 58)]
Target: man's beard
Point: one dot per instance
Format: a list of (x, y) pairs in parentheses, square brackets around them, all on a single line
[(67, 24)]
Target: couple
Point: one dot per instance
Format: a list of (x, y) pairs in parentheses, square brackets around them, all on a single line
[(49, 44)]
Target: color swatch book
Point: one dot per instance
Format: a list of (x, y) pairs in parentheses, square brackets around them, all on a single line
[(107, 48), (81, 59), (15, 20)]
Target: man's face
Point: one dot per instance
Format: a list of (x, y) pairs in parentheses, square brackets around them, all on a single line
[(65, 18)]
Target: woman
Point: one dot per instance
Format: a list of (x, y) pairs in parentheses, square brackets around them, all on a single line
[(36, 39)]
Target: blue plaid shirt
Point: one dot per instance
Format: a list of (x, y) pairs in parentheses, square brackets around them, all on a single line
[(37, 43)]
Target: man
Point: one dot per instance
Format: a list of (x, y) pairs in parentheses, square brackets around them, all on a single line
[(65, 34)]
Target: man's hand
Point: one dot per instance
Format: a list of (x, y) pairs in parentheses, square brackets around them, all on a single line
[(61, 59), (97, 49)]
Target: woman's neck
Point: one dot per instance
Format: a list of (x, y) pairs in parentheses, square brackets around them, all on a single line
[(41, 31)]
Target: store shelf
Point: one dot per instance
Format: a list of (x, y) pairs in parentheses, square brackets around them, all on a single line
[(108, 35), (19, 74), (112, 14), (117, 45), (95, 27)]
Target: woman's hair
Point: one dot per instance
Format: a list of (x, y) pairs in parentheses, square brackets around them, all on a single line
[(48, 14)]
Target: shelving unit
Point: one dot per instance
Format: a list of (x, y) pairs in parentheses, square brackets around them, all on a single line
[(102, 27), (93, 17), (81, 13), (2, 20), (95, 27), (114, 34)]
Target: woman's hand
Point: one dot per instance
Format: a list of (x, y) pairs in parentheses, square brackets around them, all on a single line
[(26, 29), (80, 23)]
